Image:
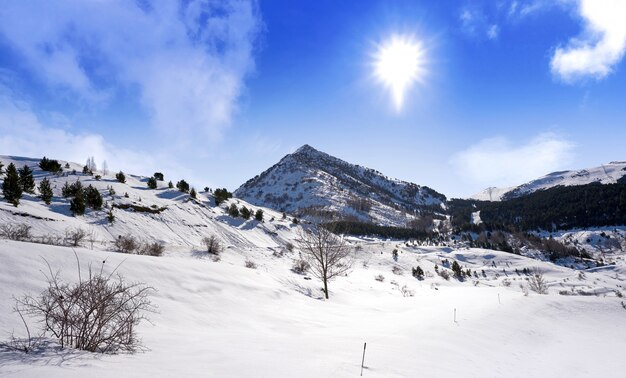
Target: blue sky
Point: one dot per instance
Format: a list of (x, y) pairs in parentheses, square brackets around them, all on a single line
[(216, 92)]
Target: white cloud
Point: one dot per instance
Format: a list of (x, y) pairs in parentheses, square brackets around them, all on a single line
[(499, 162), (601, 45), (23, 134), (184, 62), (493, 31)]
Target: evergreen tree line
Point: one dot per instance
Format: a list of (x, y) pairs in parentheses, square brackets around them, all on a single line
[(563, 207), (368, 229)]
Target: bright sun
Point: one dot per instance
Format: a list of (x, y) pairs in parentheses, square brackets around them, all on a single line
[(399, 63)]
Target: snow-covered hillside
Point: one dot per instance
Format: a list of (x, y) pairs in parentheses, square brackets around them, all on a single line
[(314, 184), (220, 319), (162, 215), (605, 174)]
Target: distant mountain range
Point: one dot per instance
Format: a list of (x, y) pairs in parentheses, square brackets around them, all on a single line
[(313, 184), (609, 173)]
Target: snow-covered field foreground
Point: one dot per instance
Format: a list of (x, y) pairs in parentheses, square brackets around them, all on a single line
[(222, 319)]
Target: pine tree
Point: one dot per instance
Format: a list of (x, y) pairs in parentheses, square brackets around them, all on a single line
[(152, 183), (259, 215), (193, 193), (183, 186), (245, 212), (233, 211), (11, 188), (456, 269), (221, 195), (45, 191), (121, 177), (93, 198), (27, 182), (77, 204), (158, 176), (170, 185), (1, 165), (110, 216)]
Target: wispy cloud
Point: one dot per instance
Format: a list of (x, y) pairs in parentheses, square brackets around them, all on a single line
[(499, 162), (22, 133), (493, 31), (600, 46), (183, 62)]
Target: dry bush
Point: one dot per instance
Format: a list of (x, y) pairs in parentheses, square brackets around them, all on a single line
[(300, 266), (397, 270), (380, 278), (126, 244), (406, 292), (250, 264), (19, 232), (152, 249), (212, 244), (75, 236), (289, 246), (537, 283), (97, 314)]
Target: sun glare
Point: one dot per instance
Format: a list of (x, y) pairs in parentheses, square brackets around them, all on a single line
[(399, 64)]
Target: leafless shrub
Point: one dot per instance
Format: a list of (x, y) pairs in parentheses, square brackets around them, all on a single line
[(75, 236), (619, 294), (300, 266), (250, 264), (537, 283), (212, 244), (216, 258), (396, 270), (406, 292), (444, 274), (524, 289), (506, 282), (380, 278), (18, 232), (327, 254), (289, 246), (98, 314), (152, 249), (126, 244)]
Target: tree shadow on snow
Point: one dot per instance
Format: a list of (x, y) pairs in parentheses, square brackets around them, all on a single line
[(44, 352), (302, 289)]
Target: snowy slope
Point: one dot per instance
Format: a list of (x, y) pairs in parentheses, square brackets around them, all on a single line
[(314, 184), (605, 174), (180, 224), (220, 319)]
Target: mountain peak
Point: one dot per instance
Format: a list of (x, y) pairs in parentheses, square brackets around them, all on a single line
[(306, 149)]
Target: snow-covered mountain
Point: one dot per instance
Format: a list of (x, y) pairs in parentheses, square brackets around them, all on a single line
[(609, 173), (311, 183)]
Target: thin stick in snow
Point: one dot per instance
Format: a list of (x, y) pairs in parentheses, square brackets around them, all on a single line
[(363, 360), (455, 315)]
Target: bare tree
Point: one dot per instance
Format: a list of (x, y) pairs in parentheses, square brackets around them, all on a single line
[(327, 254), (537, 283), (212, 244), (105, 168)]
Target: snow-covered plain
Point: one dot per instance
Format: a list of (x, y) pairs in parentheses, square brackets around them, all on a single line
[(222, 319)]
